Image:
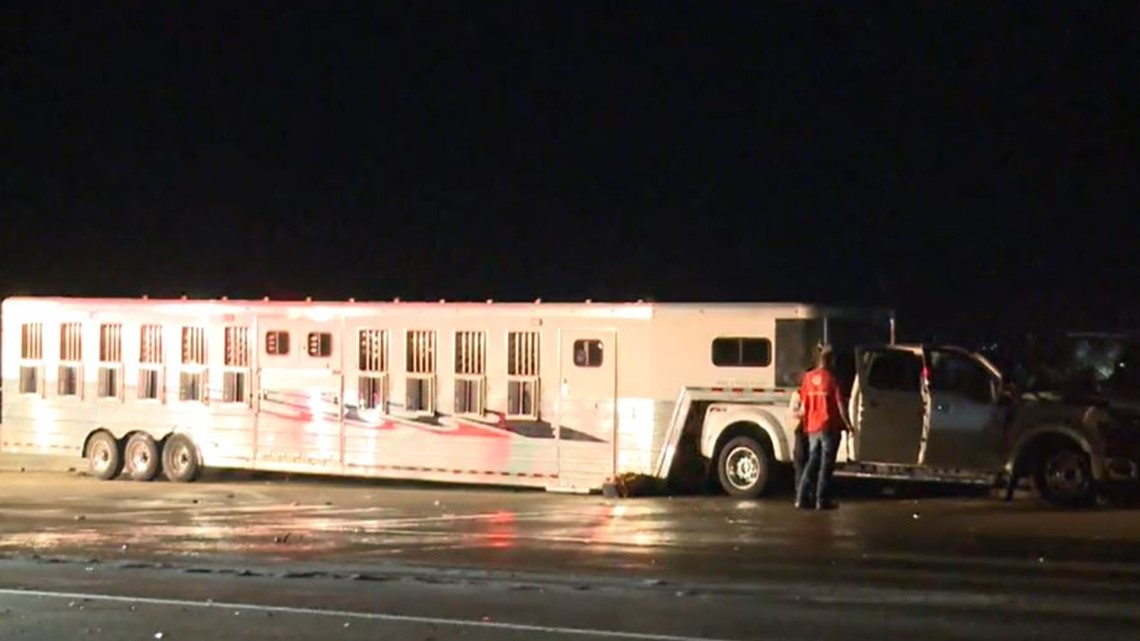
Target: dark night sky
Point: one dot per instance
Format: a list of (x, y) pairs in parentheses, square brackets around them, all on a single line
[(976, 166)]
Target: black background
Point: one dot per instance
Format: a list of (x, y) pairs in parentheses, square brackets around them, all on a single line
[(967, 167)]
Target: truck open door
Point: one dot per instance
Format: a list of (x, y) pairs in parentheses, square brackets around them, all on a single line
[(886, 407), (964, 425)]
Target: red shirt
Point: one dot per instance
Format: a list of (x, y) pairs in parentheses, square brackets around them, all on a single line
[(822, 402)]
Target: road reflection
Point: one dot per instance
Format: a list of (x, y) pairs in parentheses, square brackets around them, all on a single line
[(507, 530)]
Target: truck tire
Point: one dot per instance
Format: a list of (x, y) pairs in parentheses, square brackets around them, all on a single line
[(1062, 477), (140, 457), (744, 467), (180, 461), (104, 458)]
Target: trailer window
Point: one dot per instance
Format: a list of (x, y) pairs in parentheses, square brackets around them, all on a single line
[(29, 379), (796, 342), (588, 353), (420, 395), (522, 375), (110, 360), (235, 374), (150, 363), (191, 386), (372, 363), (277, 343), (70, 358), (150, 345), (420, 368), (150, 385), (31, 357), (192, 378), (32, 341), (741, 352), (320, 344), (470, 371)]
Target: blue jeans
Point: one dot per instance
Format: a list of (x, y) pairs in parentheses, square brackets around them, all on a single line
[(820, 465), (799, 456)]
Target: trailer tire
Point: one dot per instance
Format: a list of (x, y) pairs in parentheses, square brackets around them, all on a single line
[(180, 461), (104, 456), (744, 467), (1062, 477), (141, 457)]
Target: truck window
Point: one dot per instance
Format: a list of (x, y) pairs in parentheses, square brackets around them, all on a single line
[(895, 371), (960, 374), (1125, 379)]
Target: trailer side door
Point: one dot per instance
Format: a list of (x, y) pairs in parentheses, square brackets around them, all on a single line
[(301, 413), (587, 431)]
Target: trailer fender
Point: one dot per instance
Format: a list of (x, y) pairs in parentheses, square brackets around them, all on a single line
[(721, 416)]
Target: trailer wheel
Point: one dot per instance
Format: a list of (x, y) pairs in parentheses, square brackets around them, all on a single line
[(141, 457), (104, 458), (744, 467), (1062, 477), (180, 459)]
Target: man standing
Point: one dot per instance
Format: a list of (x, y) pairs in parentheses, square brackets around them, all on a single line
[(824, 421)]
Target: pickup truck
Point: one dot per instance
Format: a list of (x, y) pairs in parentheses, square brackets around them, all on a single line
[(946, 412)]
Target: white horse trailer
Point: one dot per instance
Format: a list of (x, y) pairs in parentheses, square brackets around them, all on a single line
[(557, 396)]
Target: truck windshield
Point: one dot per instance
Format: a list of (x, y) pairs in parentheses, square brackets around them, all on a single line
[(1098, 364)]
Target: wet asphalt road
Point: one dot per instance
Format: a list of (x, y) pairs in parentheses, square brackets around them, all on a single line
[(462, 563)]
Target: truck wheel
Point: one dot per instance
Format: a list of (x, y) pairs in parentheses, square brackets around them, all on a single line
[(180, 459), (1063, 477), (104, 458), (744, 467), (141, 458)]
